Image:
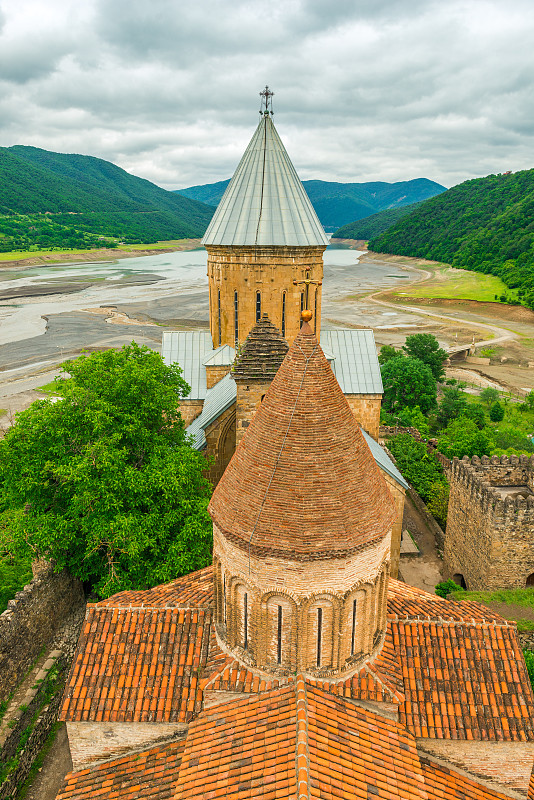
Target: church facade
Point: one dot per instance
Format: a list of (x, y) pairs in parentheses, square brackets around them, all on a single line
[(295, 667), (265, 260)]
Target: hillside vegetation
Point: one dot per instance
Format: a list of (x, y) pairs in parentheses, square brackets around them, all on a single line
[(372, 226), (339, 203), (66, 200), (485, 225)]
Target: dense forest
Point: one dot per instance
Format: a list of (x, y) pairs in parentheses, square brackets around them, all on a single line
[(339, 203), (485, 225), (50, 200), (372, 226)]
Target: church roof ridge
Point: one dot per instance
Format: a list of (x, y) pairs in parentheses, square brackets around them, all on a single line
[(265, 203), (262, 353), (303, 483)]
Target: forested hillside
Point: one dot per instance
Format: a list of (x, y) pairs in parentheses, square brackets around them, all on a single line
[(368, 227), (56, 199), (339, 203), (486, 225)]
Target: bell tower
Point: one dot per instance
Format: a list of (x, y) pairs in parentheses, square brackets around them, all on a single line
[(302, 523), (265, 244)]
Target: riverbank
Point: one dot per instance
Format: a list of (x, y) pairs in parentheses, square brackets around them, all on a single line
[(40, 258)]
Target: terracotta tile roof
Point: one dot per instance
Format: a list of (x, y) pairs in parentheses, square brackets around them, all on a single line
[(407, 602), (302, 483), (531, 786), (192, 591), (463, 681), (262, 353), (297, 742), (150, 774), (138, 666), (442, 783)]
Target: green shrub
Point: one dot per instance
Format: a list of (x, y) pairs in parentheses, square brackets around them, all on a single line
[(496, 412), (529, 661), (444, 588)]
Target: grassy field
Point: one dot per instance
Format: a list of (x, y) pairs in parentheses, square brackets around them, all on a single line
[(459, 284), (21, 255), (513, 604)]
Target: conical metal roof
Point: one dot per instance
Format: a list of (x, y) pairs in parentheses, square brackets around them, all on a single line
[(265, 202)]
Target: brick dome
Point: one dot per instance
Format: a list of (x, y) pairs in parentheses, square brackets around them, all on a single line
[(303, 483)]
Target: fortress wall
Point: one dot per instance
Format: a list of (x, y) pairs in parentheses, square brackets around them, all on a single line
[(30, 621), (490, 535)]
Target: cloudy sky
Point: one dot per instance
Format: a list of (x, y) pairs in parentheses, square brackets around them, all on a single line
[(364, 89)]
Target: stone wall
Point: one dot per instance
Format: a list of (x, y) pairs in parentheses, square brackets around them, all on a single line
[(249, 397), (506, 764), (91, 742), (220, 443), (214, 374), (31, 620), (190, 409), (366, 410), (269, 271), (398, 494), (490, 525)]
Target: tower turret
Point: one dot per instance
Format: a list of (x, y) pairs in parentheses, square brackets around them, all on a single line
[(302, 524), (265, 244)]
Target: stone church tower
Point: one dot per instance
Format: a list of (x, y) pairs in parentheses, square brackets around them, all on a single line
[(302, 524), (265, 244)]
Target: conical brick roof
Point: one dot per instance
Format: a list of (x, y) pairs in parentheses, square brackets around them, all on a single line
[(262, 354), (265, 203), (303, 484)]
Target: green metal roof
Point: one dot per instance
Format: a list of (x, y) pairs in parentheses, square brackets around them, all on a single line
[(218, 399), (265, 202), (383, 460), (355, 360), (189, 349)]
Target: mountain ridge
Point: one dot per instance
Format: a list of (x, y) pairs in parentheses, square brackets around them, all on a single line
[(338, 203)]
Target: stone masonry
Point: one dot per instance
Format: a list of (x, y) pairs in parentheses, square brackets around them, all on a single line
[(258, 280), (490, 526)]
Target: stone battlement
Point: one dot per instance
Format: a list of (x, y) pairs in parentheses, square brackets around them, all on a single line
[(490, 526)]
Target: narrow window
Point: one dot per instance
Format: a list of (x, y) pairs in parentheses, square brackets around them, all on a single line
[(279, 634), (219, 310), (224, 597), (353, 628), (315, 314), (284, 314), (258, 306), (236, 321), (301, 307), (319, 634), (245, 604)]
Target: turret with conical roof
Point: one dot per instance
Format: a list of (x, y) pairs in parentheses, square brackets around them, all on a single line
[(263, 243), (302, 523)]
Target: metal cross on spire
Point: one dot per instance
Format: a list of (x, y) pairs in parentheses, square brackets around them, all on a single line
[(306, 283), (266, 101)]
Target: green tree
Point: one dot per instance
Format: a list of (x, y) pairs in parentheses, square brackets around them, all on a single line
[(529, 400), (489, 395), (438, 501), (388, 352), (462, 437), (425, 347), (452, 405), (496, 413), (419, 467), (475, 412), (104, 480), (408, 383)]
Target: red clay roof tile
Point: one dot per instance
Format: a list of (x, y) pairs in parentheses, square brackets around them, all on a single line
[(303, 484), (442, 783), (150, 775), (139, 665), (190, 591)]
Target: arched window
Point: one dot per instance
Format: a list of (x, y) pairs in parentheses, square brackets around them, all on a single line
[(315, 314), (279, 636), (219, 313), (319, 634), (283, 314), (224, 598), (530, 580), (245, 621), (236, 320), (258, 306), (353, 636)]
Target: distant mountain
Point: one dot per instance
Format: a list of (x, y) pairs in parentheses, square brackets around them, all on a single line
[(337, 204), (368, 227), (485, 224), (94, 195)]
